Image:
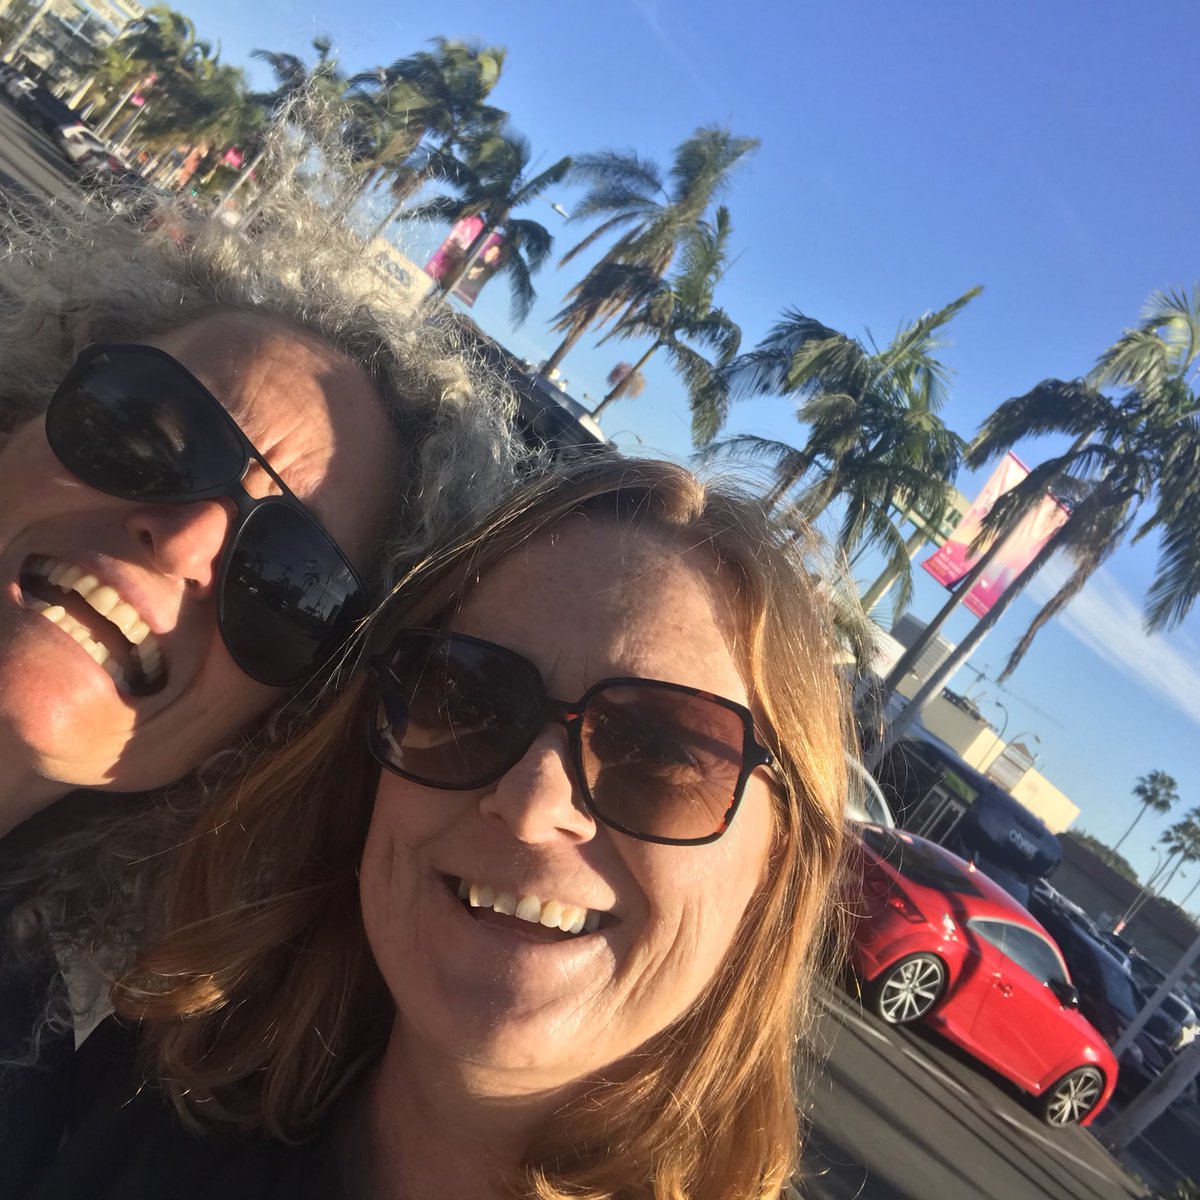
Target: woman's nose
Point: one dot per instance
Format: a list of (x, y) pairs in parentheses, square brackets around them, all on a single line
[(539, 798), (184, 540)]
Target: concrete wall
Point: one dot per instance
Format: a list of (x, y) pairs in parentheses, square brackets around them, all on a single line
[(979, 745), (1043, 799)]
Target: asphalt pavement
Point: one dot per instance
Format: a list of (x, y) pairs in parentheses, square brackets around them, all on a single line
[(899, 1114), (29, 164)]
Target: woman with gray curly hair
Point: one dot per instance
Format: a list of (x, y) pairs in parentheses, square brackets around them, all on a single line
[(215, 449)]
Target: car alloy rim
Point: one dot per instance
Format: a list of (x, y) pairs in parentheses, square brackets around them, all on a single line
[(1074, 1098), (910, 990)]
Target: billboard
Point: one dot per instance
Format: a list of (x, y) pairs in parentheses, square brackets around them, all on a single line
[(448, 257), (953, 559)]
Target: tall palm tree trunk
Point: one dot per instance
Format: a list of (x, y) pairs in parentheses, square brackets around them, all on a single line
[(626, 381), (1141, 812), (914, 652), (934, 684), (565, 347)]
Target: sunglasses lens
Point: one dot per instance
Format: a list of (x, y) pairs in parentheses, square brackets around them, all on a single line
[(288, 597), (661, 762), (453, 713), (127, 424)]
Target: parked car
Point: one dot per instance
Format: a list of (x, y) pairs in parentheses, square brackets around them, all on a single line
[(937, 940), (43, 109), (1117, 941), (79, 143)]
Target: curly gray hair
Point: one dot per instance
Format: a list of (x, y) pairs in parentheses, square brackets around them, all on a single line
[(75, 273)]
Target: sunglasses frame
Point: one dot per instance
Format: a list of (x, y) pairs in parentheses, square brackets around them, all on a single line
[(232, 489), (570, 715)]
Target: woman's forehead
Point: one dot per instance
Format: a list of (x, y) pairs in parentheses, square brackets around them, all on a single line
[(594, 598)]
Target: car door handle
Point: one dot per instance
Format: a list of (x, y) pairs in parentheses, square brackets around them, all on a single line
[(1003, 988)]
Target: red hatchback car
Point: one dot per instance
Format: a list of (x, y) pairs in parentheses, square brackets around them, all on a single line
[(936, 939)]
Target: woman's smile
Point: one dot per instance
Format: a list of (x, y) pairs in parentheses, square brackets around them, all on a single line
[(100, 615)]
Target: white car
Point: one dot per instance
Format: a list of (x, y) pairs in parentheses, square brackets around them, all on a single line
[(78, 143)]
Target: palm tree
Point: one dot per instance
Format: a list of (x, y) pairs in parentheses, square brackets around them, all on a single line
[(295, 78), (1158, 791), (163, 44), (1145, 456), (428, 106), (491, 184), (1182, 842), (656, 215), (682, 308), (874, 435)]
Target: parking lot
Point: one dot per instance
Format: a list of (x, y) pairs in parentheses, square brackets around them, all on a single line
[(898, 1114)]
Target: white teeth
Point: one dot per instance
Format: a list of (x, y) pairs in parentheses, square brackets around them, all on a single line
[(103, 599), (106, 601), (124, 617), (59, 616), (553, 914)]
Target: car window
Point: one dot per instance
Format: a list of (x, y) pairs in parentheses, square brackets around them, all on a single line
[(1096, 971), (919, 861), (1026, 948)]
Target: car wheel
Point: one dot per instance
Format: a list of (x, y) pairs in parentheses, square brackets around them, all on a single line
[(909, 989), (1072, 1097)]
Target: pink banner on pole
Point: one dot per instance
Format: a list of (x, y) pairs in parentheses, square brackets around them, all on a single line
[(953, 559), (448, 257)]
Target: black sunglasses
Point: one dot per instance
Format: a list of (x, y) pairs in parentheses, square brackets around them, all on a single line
[(132, 422), (659, 761)]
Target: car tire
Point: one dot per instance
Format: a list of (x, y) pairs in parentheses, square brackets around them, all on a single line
[(908, 990), (1072, 1098)]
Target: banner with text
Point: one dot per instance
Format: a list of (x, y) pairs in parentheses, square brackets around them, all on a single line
[(953, 559)]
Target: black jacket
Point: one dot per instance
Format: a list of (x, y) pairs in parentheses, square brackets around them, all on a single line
[(124, 1143), (33, 1090)]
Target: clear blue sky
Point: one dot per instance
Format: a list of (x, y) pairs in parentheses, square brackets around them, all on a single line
[(909, 152)]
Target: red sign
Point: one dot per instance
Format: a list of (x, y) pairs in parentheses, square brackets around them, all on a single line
[(953, 559), (448, 257)]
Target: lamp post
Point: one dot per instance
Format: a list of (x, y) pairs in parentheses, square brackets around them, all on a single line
[(1004, 726)]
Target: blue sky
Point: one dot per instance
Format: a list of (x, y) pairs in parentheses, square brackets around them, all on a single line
[(909, 151)]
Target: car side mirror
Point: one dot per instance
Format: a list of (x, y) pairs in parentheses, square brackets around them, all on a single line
[(1064, 992)]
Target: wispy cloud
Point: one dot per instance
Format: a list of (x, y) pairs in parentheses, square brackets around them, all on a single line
[(674, 40), (1106, 619)]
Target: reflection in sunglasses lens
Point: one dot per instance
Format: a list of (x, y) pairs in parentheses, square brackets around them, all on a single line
[(654, 760), (134, 428), (288, 598), (660, 761)]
